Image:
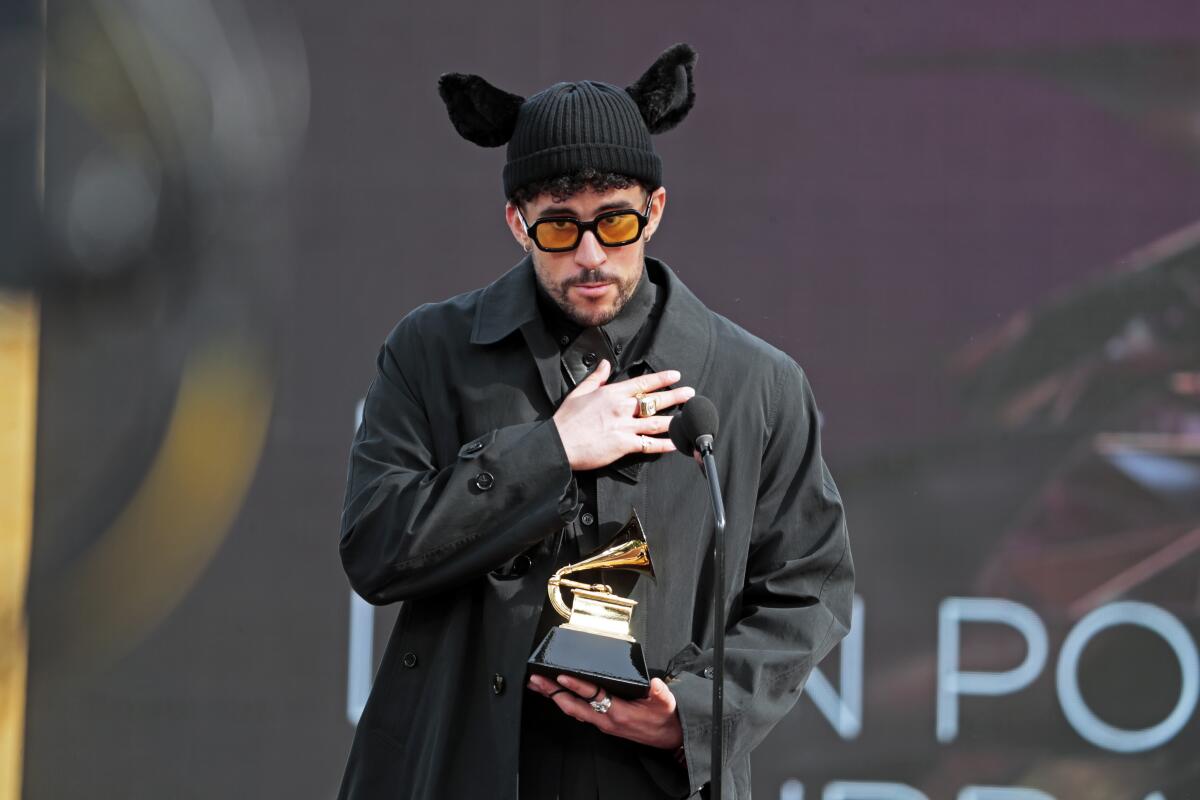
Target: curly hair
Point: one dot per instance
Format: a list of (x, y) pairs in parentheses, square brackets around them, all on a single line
[(563, 187)]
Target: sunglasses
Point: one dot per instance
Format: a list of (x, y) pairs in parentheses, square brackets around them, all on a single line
[(615, 228)]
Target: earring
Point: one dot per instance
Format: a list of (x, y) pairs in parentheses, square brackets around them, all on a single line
[(527, 247)]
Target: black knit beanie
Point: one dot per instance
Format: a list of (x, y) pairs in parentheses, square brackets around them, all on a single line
[(572, 126)]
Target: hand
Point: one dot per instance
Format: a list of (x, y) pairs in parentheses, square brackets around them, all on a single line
[(596, 422), (651, 720)]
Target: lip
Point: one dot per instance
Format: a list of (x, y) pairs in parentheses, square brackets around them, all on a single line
[(591, 289)]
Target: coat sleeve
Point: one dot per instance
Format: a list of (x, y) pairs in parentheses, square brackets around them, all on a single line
[(411, 527), (795, 603)]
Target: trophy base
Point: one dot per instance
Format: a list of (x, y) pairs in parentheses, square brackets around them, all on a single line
[(616, 664)]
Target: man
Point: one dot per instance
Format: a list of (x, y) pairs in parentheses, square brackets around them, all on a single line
[(514, 429)]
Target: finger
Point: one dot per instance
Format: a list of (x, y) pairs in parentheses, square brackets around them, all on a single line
[(575, 707), (672, 397), (578, 702), (649, 383), (541, 685), (586, 691), (649, 444), (595, 378), (659, 423)]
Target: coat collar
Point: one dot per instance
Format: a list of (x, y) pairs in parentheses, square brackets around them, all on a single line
[(506, 304), (682, 339)]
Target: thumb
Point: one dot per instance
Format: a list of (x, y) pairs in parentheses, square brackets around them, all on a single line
[(595, 379), (660, 693)]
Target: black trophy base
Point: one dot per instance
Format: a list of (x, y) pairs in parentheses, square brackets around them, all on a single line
[(615, 664)]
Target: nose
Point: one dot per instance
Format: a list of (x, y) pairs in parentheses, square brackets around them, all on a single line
[(589, 253)]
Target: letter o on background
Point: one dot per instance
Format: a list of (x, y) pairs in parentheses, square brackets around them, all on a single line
[(1096, 730)]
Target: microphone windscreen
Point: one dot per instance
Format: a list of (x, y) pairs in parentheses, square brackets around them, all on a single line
[(699, 417)]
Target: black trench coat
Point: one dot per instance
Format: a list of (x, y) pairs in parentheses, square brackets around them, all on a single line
[(457, 471)]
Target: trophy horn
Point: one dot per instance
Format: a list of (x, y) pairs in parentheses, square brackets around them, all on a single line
[(628, 551)]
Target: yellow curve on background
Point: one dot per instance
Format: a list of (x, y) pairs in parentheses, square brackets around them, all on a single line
[(18, 441), (156, 550)]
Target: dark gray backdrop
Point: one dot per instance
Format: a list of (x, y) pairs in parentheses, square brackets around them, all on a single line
[(870, 186)]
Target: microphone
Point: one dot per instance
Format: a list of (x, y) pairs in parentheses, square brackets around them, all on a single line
[(693, 431), (694, 428)]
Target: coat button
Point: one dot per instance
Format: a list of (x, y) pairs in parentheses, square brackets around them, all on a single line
[(498, 684), (564, 340), (618, 347), (708, 672), (521, 564), (473, 447), (484, 481), (587, 518), (409, 660), (589, 359)]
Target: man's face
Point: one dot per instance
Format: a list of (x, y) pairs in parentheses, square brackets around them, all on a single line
[(591, 283)]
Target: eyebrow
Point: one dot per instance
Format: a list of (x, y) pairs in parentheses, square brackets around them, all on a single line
[(557, 211)]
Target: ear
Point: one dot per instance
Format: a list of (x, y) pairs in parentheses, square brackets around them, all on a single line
[(657, 207), (481, 113), (665, 93), (515, 227)]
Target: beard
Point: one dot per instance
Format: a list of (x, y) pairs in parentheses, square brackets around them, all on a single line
[(589, 315)]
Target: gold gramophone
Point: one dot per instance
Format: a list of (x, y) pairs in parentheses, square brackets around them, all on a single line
[(594, 643)]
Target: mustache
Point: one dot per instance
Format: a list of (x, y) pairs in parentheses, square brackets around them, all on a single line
[(589, 276)]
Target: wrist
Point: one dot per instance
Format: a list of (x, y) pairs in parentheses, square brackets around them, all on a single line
[(673, 735), (562, 441)]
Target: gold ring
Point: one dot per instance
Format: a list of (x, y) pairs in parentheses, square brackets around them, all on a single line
[(646, 407)]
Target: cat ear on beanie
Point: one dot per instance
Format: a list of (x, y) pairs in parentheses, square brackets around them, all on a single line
[(481, 113), (666, 92)]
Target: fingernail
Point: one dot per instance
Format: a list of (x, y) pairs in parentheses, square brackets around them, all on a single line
[(674, 374), (689, 391)]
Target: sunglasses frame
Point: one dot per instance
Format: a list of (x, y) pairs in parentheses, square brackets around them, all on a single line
[(582, 227)]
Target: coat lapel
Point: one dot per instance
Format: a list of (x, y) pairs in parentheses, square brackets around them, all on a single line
[(681, 340), (509, 304), (545, 352)]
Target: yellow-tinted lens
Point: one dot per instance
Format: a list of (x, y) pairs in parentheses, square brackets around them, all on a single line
[(557, 234), (617, 228)]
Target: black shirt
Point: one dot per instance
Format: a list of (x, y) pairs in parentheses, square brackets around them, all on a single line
[(561, 758)]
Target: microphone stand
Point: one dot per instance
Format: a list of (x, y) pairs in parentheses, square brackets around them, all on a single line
[(704, 444)]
